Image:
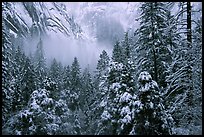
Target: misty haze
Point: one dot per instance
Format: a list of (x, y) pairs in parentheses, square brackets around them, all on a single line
[(101, 68)]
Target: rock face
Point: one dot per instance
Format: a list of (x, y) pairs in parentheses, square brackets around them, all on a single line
[(39, 18)]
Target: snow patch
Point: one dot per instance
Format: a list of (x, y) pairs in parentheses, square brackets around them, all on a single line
[(126, 97), (105, 115), (144, 76)]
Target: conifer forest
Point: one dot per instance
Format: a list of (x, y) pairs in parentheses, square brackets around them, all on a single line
[(101, 68)]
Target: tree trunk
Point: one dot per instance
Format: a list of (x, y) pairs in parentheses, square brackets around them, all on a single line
[(154, 51), (189, 40)]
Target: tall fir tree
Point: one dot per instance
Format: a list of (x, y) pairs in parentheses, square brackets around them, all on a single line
[(66, 77), (28, 80), (6, 65), (40, 64), (117, 52), (75, 84), (86, 101), (153, 52), (102, 68), (101, 87), (55, 73)]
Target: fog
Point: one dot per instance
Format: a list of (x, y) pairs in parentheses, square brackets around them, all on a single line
[(101, 23), (64, 50)]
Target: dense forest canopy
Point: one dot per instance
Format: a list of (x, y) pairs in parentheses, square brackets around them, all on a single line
[(101, 68)]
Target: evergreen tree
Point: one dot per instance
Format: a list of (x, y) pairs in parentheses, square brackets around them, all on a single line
[(151, 117), (66, 77), (17, 82), (60, 76), (101, 87), (101, 69), (86, 100), (6, 65), (126, 52), (87, 86), (28, 80), (39, 64), (54, 70), (153, 52), (56, 73), (180, 93), (197, 73), (117, 116), (75, 84), (117, 52)]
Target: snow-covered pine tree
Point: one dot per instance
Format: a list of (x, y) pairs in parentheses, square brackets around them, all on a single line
[(39, 64), (180, 92), (126, 48), (197, 73), (52, 86), (75, 84), (117, 53), (55, 73), (66, 77), (117, 116), (102, 66), (6, 65), (87, 86), (101, 87), (173, 42), (17, 81), (60, 77), (86, 100), (150, 115), (28, 80), (54, 70), (151, 46)]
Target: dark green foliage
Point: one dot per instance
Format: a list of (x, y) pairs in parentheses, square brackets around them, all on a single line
[(152, 47), (6, 64), (39, 64), (151, 117), (75, 84), (66, 77), (60, 100), (117, 117), (117, 52)]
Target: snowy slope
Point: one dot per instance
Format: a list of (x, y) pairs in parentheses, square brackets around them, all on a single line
[(36, 18)]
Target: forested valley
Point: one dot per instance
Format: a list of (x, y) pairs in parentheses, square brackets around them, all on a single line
[(150, 84)]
